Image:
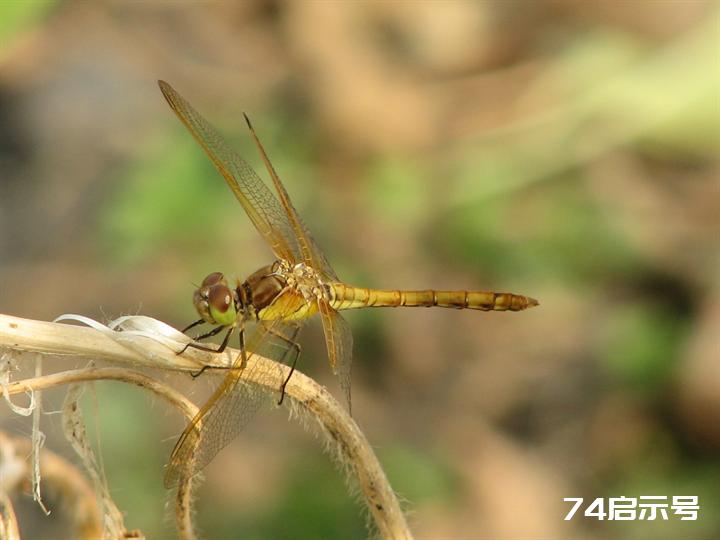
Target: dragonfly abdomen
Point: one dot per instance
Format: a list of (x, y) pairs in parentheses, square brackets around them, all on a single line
[(348, 297)]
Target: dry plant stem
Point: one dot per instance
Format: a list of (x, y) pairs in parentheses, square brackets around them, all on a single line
[(183, 500), (77, 497), (8, 522), (183, 511), (356, 452), (43, 337), (111, 374), (352, 447)]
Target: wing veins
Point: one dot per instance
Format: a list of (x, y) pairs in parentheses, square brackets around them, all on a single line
[(259, 203), (230, 407)]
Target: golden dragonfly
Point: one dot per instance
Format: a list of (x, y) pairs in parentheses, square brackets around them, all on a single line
[(278, 298)]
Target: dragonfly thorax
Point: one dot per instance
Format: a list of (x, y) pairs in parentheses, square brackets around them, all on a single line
[(281, 290), (307, 282)]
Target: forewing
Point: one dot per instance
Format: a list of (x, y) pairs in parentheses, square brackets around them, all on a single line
[(235, 401), (259, 203), (311, 254), (338, 338)]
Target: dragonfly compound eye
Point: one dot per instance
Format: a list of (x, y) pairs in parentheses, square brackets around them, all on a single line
[(221, 304), (213, 279), (200, 301)]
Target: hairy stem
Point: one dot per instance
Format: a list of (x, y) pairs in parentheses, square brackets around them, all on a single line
[(348, 442)]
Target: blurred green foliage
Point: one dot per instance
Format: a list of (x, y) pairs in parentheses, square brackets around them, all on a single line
[(669, 475), (573, 239), (17, 16), (313, 504), (642, 344), (420, 476), (167, 196), (397, 192), (131, 467), (175, 195)]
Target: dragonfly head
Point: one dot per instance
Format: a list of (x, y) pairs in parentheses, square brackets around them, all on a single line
[(215, 301)]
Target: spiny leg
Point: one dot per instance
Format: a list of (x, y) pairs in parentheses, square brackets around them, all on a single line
[(223, 345), (211, 333), (294, 347), (192, 325), (220, 349), (243, 352)]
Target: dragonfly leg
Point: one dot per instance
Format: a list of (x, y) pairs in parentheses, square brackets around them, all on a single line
[(243, 353), (192, 325), (225, 340), (220, 349), (223, 345), (296, 354), (211, 333), (292, 370)]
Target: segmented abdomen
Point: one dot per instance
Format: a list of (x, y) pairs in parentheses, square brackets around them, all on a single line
[(348, 297)]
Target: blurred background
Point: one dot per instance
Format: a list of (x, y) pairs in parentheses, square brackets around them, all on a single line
[(562, 149)]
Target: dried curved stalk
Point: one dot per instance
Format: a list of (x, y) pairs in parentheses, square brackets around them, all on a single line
[(69, 484), (8, 521), (344, 436), (183, 511)]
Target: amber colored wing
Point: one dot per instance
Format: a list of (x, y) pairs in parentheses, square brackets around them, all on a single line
[(311, 253), (261, 205), (235, 401), (338, 339)]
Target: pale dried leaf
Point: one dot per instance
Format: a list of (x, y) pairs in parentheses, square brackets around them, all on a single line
[(38, 440), (6, 366)]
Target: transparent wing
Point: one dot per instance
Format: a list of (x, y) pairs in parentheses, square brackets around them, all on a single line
[(258, 201), (235, 401), (338, 339), (312, 255)]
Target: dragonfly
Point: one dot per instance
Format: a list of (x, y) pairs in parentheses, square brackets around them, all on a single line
[(267, 309)]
